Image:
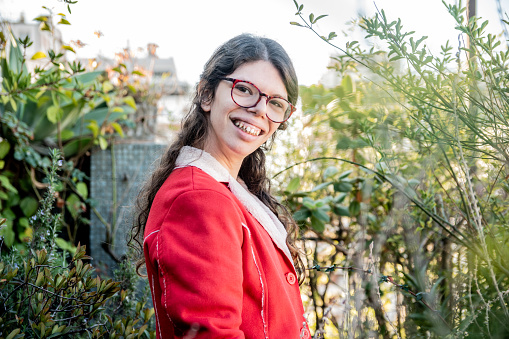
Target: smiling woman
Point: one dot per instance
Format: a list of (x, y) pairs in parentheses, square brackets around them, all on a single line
[(218, 247)]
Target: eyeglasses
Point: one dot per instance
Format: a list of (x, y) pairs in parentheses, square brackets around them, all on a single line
[(245, 94)]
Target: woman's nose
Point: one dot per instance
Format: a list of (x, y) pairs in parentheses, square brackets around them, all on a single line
[(260, 108)]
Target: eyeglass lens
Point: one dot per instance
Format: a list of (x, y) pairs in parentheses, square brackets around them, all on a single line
[(246, 95)]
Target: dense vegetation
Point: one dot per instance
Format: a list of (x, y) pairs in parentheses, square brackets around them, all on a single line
[(50, 117), (401, 188)]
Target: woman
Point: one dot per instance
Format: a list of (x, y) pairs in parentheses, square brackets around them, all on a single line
[(219, 261)]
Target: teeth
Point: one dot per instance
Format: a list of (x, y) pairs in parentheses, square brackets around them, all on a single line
[(247, 129)]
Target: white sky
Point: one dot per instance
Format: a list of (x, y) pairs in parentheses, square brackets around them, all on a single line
[(190, 30)]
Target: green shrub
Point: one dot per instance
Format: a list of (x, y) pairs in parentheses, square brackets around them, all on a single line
[(46, 294), (421, 235)]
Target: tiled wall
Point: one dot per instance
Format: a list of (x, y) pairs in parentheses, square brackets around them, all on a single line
[(133, 163)]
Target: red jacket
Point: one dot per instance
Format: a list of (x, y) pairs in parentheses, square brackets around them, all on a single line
[(214, 271)]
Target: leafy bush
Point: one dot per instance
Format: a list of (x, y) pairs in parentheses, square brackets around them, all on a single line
[(44, 294), (420, 235), (56, 105)]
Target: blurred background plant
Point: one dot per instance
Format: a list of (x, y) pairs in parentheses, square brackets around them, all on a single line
[(49, 102), (47, 292), (400, 184)]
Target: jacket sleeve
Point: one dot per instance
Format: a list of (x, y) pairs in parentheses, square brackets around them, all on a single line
[(199, 258)]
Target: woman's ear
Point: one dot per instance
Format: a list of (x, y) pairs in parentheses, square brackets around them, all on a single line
[(205, 105), (206, 101)]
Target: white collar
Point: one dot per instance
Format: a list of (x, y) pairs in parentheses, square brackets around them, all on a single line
[(190, 156)]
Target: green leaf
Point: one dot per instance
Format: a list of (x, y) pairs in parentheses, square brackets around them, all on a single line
[(330, 171), (343, 186), (138, 73), (65, 245), (302, 214), (82, 189), (309, 203), (8, 234), (73, 204), (321, 17), (322, 186), (340, 198), (13, 334), (293, 185), (38, 55), (345, 174), (341, 210), (23, 222), (4, 148), (28, 206), (4, 181), (317, 224), (66, 134), (54, 114), (321, 214), (336, 124), (64, 22), (354, 208), (347, 84), (413, 182)]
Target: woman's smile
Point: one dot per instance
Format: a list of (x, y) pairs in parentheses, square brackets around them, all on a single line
[(248, 128)]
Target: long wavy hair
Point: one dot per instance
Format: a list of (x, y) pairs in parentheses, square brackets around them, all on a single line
[(224, 61)]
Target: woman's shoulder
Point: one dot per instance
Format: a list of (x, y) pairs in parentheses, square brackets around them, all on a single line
[(194, 189), (191, 179)]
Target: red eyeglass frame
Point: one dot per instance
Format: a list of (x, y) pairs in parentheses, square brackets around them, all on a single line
[(268, 97)]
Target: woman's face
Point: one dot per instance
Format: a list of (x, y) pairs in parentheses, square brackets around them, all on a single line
[(236, 132)]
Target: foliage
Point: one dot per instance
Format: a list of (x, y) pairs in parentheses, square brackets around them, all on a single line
[(44, 296), (52, 104), (413, 209)]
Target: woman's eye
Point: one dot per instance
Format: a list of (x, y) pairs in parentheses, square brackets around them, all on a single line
[(277, 103), (243, 89)]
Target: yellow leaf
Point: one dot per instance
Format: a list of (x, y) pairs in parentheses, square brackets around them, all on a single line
[(130, 101), (38, 55), (103, 143), (107, 86), (138, 73), (69, 48), (118, 128)]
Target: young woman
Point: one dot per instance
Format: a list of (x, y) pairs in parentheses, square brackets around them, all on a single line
[(218, 247)]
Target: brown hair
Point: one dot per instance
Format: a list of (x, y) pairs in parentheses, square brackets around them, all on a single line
[(224, 61)]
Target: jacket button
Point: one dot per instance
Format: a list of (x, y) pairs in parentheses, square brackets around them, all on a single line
[(290, 277)]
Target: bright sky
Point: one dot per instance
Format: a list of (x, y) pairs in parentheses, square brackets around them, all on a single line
[(190, 30)]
